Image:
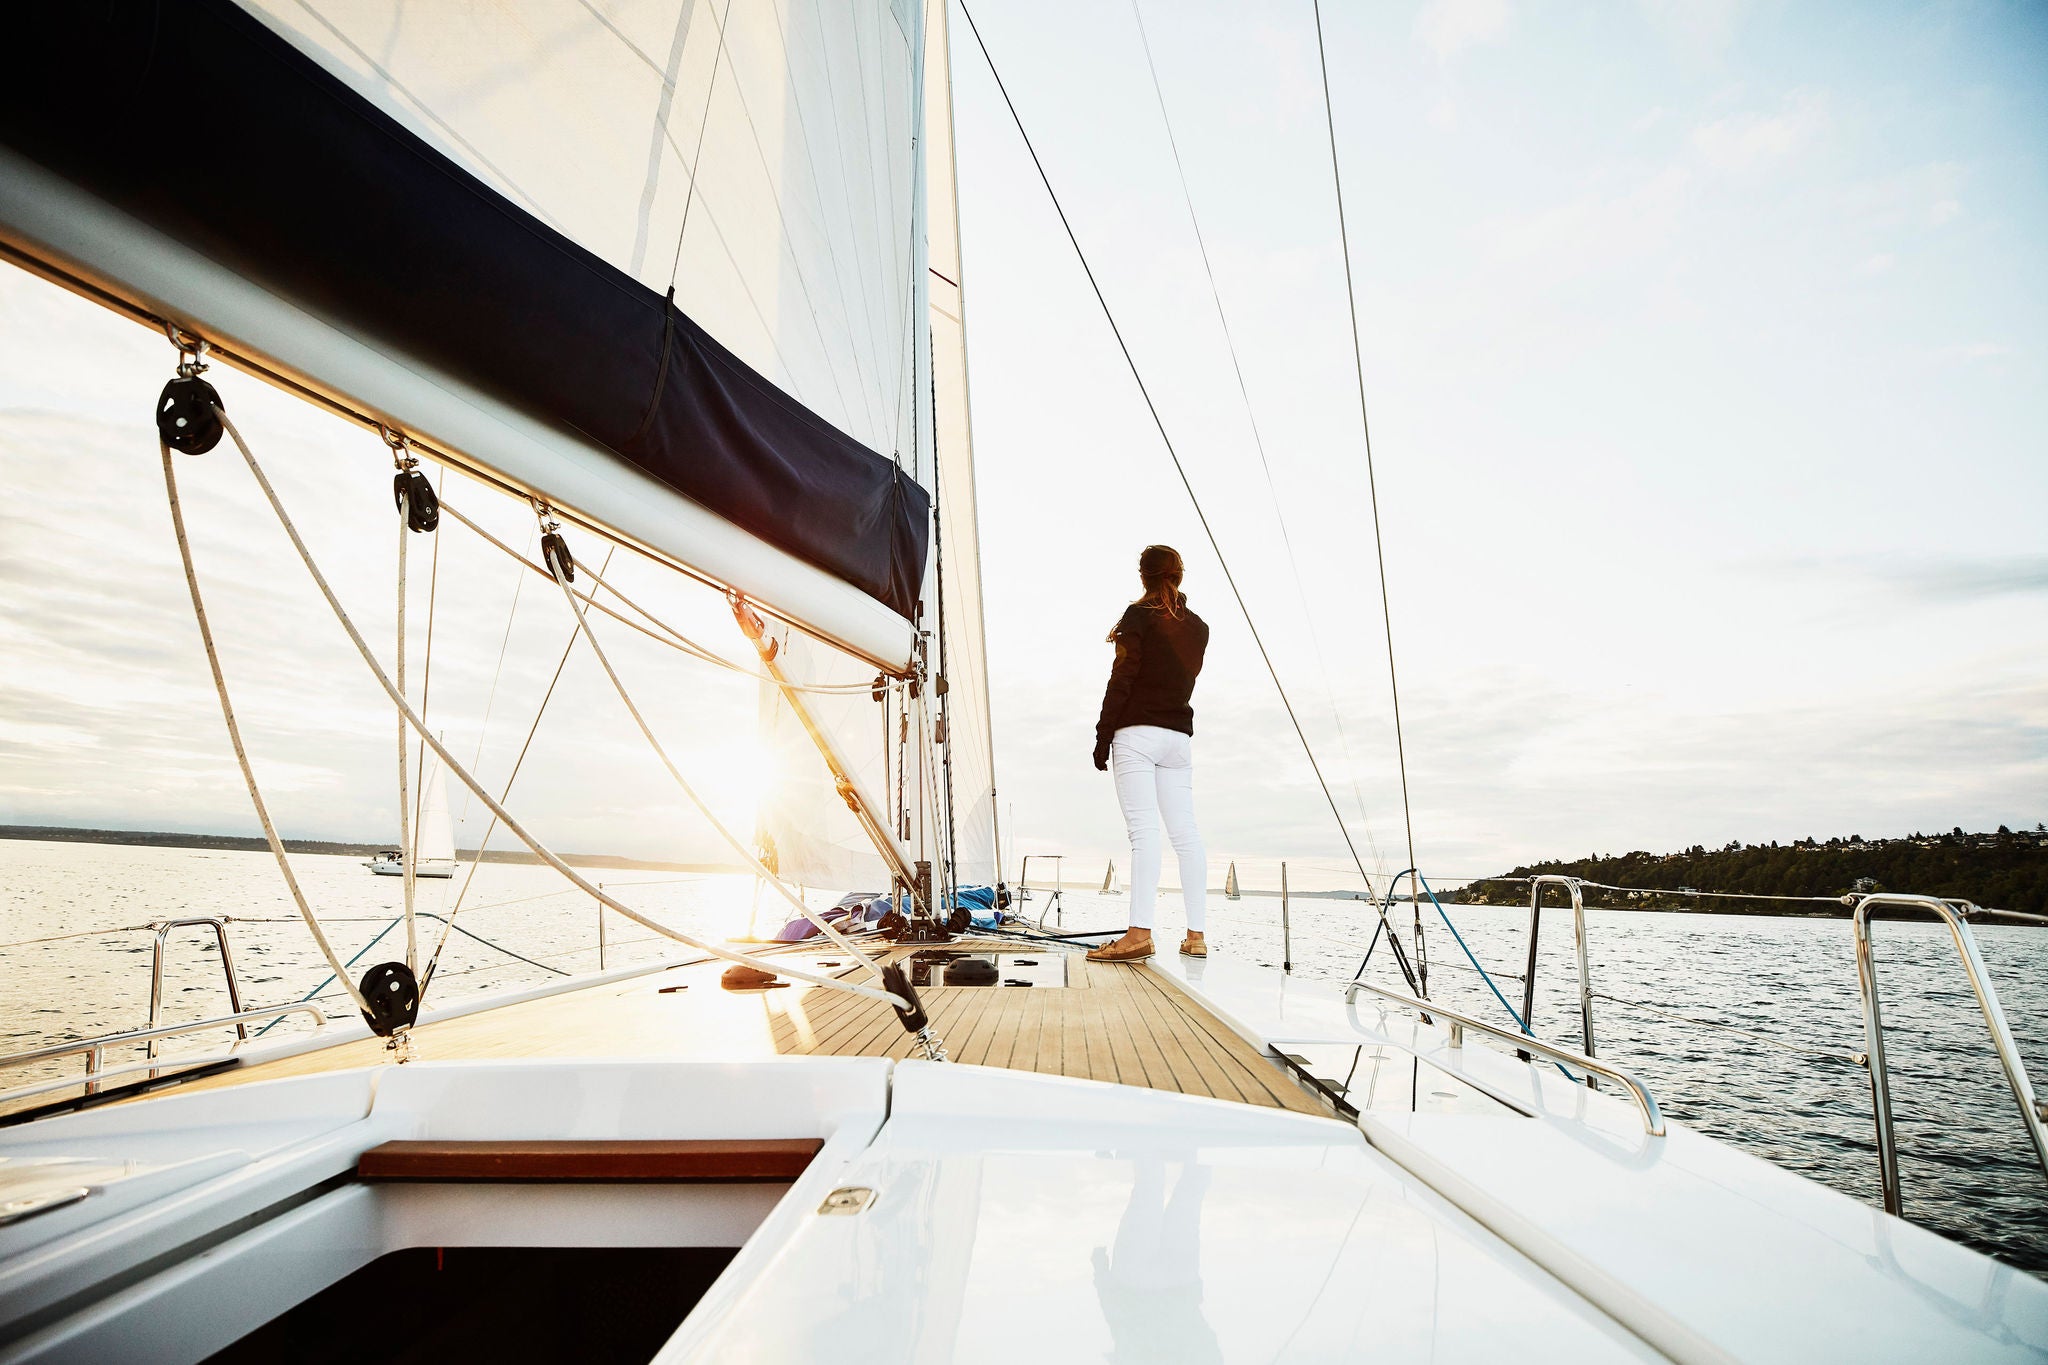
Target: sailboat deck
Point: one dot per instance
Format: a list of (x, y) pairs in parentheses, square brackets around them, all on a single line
[(1110, 1022)]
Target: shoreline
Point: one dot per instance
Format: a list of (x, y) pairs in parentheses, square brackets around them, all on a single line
[(241, 843)]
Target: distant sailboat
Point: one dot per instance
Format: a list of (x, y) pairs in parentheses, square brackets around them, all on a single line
[(436, 836), (1111, 886), (1230, 892)]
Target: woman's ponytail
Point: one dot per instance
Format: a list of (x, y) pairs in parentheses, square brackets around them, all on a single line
[(1160, 570)]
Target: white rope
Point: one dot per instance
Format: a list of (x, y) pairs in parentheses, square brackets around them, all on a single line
[(759, 868), (668, 635), (407, 843), (454, 765), (227, 711)]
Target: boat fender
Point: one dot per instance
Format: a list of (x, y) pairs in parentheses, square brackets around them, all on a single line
[(555, 551), (186, 419), (412, 492), (896, 981), (393, 997)]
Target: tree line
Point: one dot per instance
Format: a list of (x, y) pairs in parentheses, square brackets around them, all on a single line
[(2002, 870)]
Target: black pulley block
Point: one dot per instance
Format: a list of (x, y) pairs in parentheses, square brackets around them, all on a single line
[(555, 551), (896, 981), (185, 415), (393, 997), (412, 491)]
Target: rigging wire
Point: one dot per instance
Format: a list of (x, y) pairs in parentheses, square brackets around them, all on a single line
[(504, 794), (1258, 438), (1379, 544), (497, 673), (1159, 422), (427, 666)]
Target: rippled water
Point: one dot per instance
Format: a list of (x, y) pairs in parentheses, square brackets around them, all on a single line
[(1965, 1163)]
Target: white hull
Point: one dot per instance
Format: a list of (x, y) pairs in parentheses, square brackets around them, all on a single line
[(1507, 1213), (437, 869)]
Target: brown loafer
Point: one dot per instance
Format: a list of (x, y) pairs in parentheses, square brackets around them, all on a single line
[(1194, 945), (1120, 951)]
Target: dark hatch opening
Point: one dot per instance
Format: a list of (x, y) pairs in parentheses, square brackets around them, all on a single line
[(444, 1305)]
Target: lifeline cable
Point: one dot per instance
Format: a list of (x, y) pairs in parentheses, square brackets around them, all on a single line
[(454, 765), (1372, 487), (1407, 972)]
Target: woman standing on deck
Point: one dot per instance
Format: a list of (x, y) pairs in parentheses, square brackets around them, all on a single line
[(1145, 737)]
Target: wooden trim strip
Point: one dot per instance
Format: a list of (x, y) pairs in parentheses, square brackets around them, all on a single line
[(690, 1162)]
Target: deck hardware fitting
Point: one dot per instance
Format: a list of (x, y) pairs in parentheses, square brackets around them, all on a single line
[(847, 1199)]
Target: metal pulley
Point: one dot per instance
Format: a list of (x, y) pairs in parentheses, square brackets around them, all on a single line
[(554, 551), (393, 997), (187, 416), (414, 493)]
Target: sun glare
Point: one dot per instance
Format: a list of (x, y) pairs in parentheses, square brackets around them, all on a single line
[(735, 778)]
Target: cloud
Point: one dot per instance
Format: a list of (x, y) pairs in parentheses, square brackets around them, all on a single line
[(1877, 264), (1448, 27), (1751, 141), (1943, 211), (1957, 579)]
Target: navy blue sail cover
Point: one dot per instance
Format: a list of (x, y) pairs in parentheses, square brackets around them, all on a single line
[(194, 117)]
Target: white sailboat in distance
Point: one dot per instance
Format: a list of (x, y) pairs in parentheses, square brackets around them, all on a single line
[(433, 834)]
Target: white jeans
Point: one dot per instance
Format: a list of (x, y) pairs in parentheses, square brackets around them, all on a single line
[(1155, 783)]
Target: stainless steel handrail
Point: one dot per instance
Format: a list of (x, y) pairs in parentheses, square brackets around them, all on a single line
[(95, 1048), (1054, 906), (1653, 1117), (1954, 915), (219, 925), (1571, 886)]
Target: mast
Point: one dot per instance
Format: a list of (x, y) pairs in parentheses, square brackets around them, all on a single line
[(964, 706)]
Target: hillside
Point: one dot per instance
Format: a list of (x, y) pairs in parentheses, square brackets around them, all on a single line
[(2001, 870)]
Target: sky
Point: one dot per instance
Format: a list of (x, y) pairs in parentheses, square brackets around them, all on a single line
[(1705, 349)]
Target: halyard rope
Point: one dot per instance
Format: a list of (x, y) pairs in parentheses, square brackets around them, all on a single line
[(455, 766)]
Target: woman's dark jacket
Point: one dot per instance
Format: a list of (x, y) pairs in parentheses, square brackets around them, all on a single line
[(1158, 657)]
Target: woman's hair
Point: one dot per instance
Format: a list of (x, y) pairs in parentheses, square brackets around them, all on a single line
[(1160, 569)]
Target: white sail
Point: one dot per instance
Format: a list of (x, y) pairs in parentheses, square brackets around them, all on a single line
[(1230, 891), (1111, 886), (434, 833), (972, 743)]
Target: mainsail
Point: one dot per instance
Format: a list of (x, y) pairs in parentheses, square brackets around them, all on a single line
[(672, 268), (652, 262)]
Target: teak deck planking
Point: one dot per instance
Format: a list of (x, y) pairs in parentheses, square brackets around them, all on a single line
[(1111, 1022)]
